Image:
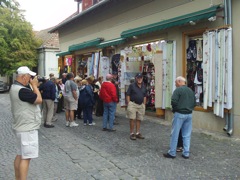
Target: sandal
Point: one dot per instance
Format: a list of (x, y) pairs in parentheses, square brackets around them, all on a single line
[(179, 149)]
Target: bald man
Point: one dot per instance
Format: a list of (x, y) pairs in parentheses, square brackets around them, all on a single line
[(183, 102)]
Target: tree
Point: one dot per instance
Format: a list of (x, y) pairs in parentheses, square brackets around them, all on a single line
[(12, 4), (18, 43)]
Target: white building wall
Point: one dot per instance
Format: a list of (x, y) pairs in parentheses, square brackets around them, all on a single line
[(48, 62), (51, 63)]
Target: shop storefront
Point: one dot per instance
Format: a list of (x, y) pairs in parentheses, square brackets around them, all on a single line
[(196, 45)]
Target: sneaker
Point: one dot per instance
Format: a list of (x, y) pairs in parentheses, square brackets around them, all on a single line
[(85, 124), (73, 124), (48, 125), (133, 137), (67, 123), (92, 124), (168, 156), (111, 130), (185, 157), (105, 129), (139, 136)]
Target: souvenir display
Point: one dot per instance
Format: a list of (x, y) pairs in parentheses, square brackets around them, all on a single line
[(149, 81)]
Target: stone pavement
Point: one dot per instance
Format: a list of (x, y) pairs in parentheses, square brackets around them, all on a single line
[(87, 152)]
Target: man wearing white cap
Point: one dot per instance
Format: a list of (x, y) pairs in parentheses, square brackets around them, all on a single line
[(26, 118)]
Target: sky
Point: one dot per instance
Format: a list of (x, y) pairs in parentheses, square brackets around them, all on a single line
[(43, 14)]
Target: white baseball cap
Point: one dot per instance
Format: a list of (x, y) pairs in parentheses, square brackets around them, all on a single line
[(25, 70)]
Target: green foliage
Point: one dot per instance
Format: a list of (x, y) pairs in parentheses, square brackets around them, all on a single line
[(11, 4), (18, 44)]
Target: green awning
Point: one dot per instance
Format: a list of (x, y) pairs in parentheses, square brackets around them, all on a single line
[(177, 21), (84, 45), (63, 53), (112, 42)]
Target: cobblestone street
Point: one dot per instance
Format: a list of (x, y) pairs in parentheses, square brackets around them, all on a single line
[(87, 152)]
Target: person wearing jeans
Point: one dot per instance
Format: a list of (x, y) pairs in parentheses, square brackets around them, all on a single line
[(183, 102), (108, 94), (108, 114)]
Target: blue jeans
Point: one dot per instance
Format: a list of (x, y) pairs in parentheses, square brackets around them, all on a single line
[(184, 122), (108, 114), (87, 114)]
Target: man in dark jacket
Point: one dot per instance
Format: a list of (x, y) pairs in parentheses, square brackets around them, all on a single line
[(183, 102), (48, 90)]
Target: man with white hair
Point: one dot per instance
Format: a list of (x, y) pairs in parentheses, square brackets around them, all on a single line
[(26, 118), (183, 102)]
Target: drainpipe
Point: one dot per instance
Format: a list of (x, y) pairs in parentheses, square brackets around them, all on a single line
[(228, 21), (230, 122)]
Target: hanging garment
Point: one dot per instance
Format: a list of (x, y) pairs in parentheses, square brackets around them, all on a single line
[(105, 66), (191, 73), (170, 76), (198, 92), (199, 46), (192, 51), (212, 47), (228, 70), (164, 48), (158, 59), (96, 65), (205, 68), (115, 62)]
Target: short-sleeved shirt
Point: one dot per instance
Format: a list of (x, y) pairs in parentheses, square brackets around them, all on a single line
[(26, 94), (136, 93), (69, 87)]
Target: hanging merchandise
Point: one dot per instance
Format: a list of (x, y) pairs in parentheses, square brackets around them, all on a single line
[(115, 62), (217, 70), (91, 68), (149, 82), (199, 48), (96, 65), (169, 72), (158, 66), (192, 51), (194, 68), (104, 66)]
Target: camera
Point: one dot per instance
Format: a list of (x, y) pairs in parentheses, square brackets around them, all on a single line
[(41, 79)]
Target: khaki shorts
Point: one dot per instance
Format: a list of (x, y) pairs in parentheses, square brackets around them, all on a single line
[(135, 111), (70, 103), (27, 144)]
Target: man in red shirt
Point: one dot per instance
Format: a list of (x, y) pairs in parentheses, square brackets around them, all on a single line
[(108, 94)]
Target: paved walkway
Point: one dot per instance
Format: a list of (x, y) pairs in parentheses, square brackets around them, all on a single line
[(87, 152)]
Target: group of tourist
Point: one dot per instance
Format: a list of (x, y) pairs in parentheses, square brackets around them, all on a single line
[(77, 95)]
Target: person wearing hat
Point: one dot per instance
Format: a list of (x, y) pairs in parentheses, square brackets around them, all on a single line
[(109, 96), (136, 100), (26, 113)]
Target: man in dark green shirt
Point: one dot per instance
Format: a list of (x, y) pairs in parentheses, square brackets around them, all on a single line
[(183, 102)]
